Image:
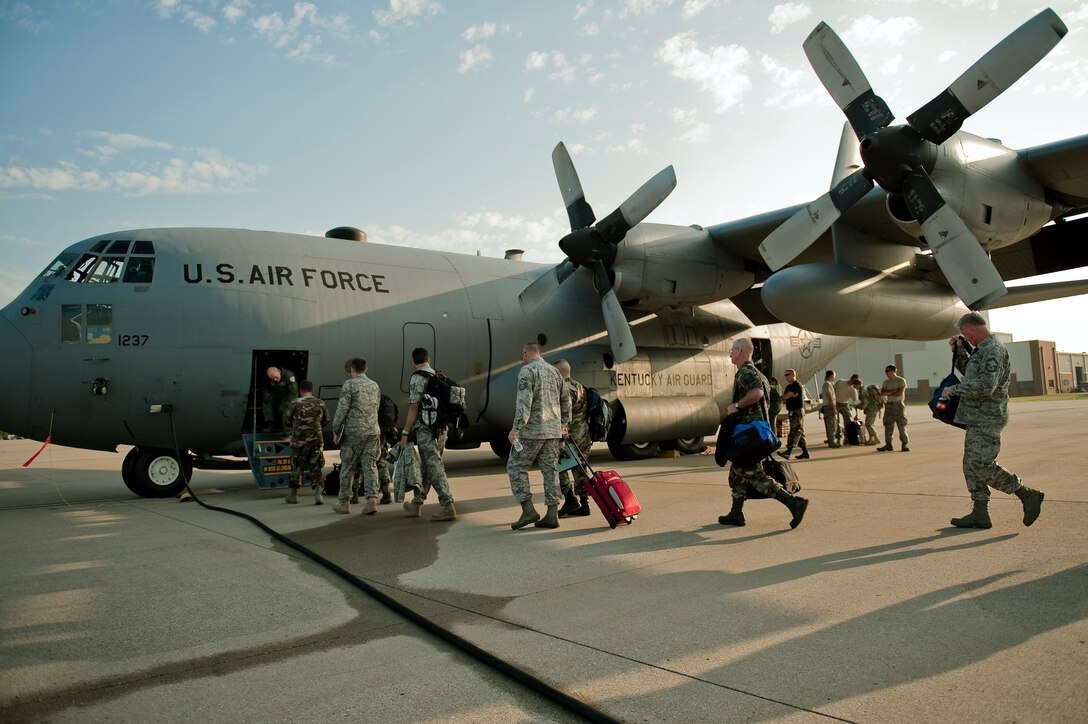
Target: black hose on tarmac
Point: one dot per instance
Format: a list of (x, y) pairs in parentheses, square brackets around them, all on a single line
[(575, 706)]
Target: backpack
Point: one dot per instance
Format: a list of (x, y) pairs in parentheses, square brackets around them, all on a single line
[(443, 402), (873, 396), (598, 415), (388, 415)]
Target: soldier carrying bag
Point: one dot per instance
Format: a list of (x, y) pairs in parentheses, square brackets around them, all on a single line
[(945, 410)]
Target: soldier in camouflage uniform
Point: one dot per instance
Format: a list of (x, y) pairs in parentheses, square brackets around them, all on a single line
[(984, 409), (894, 391), (276, 396), (541, 421), (749, 390), (829, 410), (872, 404), (794, 399), (430, 443), (357, 414), (578, 432), (305, 418)]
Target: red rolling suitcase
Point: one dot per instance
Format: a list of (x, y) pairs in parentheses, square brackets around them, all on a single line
[(612, 495)]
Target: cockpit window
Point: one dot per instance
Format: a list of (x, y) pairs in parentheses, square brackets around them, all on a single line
[(82, 269), (101, 246), (140, 269), (119, 247), (59, 265), (143, 247), (107, 270)]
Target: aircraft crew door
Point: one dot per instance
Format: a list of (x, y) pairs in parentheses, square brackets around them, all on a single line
[(762, 356)]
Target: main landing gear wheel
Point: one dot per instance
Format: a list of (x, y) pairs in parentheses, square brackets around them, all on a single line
[(686, 445), (155, 472), (501, 447), (633, 451)]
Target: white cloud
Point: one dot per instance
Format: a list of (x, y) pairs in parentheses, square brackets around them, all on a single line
[(787, 14), (581, 10), (694, 7), (146, 171), (589, 31), (479, 32), (477, 57), (946, 56), (720, 72), (868, 31), (796, 87), (697, 131), (490, 233), (282, 33), (24, 17), (576, 115), (642, 7), (235, 10), (562, 70), (528, 95), (407, 12), (891, 66), (633, 145), (169, 8)]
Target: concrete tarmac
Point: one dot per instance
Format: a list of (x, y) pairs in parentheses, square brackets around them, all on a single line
[(118, 608)]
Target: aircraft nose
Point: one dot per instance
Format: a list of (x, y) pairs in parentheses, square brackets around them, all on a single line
[(15, 371)]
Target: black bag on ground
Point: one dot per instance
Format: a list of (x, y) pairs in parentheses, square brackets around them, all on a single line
[(780, 471), (853, 432), (332, 480)]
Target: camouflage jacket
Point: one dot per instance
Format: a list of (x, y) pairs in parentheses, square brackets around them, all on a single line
[(579, 425), (305, 418), (357, 408), (748, 379), (984, 390), (543, 403)]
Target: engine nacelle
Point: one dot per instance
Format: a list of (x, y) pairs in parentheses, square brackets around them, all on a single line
[(658, 267), (848, 301), (664, 418)]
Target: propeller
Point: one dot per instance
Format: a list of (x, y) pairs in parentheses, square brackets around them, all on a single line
[(594, 245), (898, 158)]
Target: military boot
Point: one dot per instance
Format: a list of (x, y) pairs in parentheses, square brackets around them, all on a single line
[(387, 493), (292, 497), (979, 517), (412, 508), (528, 515), (795, 503), (583, 506), (319, 497), (341, 506), (736, 514), (804, 454), (446, 512), (570, 506), (1033, 503), (371, 506), (789, 451), (550, 519), (884, 448)]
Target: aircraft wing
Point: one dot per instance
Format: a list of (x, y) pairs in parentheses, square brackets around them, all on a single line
[(1062, 167)]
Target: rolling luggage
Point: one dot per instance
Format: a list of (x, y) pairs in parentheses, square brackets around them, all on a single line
[(613, 496)]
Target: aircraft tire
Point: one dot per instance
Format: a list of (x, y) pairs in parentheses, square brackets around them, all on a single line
[(501, 447), (685, 446), (633, 451), (155, 473)]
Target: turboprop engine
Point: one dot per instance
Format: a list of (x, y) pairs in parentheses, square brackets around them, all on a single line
[(848, 301)]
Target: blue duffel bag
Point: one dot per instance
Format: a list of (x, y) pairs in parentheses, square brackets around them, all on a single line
[(752, 441)]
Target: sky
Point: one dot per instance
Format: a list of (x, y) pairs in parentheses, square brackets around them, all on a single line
[(430, 123)]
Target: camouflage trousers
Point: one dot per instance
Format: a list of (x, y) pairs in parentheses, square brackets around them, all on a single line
[(385, 478), (740, 478), (895, 414), (308, 461), (545, 455), (845, 415), (584, 444), (797, 430), (870, 429), (355, 455), (432, 471), (831, 423), (981, 470)]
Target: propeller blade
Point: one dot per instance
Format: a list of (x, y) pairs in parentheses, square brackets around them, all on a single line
[(806, 226), (619, 331), (994, 72), (961, 258), (578, 210), (545, 285), (843, 78), (638, 206)]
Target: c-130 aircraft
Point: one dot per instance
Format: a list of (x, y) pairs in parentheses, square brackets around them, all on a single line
[(124, 325)]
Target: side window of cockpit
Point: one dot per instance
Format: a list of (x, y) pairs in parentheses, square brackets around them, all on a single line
[(59, 265), (71, 323), (82, 269), (140, 269), (99, 323)]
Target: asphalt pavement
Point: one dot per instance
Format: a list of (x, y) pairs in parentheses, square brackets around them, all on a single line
[(875, 609)]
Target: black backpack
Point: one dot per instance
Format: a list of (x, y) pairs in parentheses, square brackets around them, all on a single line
[(388, 415), (443, 402), (598, 415)]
